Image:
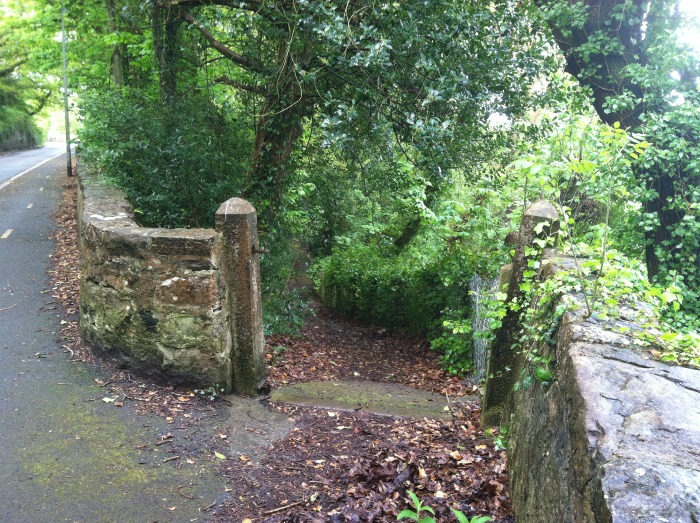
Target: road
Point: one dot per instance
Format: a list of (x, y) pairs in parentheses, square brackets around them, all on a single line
[(66, 455), (16, 163)]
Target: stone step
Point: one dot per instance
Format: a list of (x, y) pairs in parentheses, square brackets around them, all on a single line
[(390, 399)]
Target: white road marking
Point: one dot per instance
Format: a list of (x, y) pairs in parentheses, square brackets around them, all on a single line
[(6, 234), (30, 206), (8, 182)]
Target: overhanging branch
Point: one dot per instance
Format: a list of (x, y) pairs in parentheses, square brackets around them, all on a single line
[(239, 85), (243, 61)]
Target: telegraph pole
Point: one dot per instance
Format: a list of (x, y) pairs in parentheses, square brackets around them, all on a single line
[(69, 160)]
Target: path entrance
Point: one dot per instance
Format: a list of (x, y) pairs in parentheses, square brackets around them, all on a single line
[(80, 444)]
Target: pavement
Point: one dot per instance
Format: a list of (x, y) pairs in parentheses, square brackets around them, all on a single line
[(66, 455), (14, 163)]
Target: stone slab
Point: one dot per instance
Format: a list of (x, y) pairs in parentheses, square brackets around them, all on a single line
[(615, 438), (390, 399)]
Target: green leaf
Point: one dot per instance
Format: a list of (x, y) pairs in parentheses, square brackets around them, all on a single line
[(543, 374), (408, 514)]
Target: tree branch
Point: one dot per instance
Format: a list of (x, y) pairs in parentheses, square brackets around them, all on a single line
[(239, 85), (253, 6), (41, 104), (11, 68), (242, 61)]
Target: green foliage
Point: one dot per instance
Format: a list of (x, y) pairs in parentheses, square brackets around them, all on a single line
[(455, 342), (500, 437), (177, 162), (640, 75), (461, 518), (418, 510), (609, 291), (211, 393), (675, 134), (286, 311), (17, 129), (378, 286), (23, 93)]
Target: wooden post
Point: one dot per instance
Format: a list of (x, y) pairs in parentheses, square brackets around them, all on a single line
[(236, 222), (503, 365)]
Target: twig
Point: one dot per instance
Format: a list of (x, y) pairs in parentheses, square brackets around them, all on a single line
[(8, 308), (132, 398), (166, 440), (283, 508), (208, 507), (177, 489), (172, 458)]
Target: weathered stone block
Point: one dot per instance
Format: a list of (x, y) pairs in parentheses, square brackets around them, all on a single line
[(615, 437), (161, 302)]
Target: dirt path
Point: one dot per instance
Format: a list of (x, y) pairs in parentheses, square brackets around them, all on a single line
[(353, 466), (287, 463)]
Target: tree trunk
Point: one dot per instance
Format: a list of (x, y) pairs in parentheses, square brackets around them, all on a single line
[(604, 73), (166, 22), (119, 63), (279, 125)]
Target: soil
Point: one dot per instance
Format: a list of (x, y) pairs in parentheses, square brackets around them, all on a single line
[(332, 465)]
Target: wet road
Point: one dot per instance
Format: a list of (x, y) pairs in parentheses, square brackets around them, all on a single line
[(66, 455), (17, 162)]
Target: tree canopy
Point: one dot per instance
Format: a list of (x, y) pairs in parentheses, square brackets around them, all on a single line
[(397, 141)]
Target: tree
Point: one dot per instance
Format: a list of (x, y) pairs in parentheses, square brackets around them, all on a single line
[(22, 94), (417, 78), (626, 54)]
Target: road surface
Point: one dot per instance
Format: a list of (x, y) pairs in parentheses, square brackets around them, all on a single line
[(17, 162), (66, 455)]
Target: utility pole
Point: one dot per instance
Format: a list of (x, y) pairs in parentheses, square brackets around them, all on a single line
[(69, 159)]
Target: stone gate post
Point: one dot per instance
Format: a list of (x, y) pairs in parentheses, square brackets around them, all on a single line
[(239, 264), (504, 362)]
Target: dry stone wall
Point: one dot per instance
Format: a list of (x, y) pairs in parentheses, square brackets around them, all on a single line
[(615, 437), (172, 302)]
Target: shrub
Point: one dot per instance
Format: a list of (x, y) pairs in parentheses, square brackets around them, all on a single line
[(177, 162)]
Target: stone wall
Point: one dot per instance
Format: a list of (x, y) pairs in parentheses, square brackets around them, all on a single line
[(614, 438), (183, 304)]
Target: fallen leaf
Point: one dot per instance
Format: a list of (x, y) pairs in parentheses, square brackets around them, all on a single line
[(219, 455)]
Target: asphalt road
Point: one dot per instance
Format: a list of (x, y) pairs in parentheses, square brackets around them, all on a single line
[(66, 455), (15, 163)]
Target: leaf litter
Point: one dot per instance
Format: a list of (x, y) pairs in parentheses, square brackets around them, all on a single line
[(333, 466)]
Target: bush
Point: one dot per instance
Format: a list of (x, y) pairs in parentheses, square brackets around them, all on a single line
[(177, 162), (17, 130), (381, 288)]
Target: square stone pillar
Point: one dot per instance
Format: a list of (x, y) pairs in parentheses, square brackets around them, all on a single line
[(236, 223), (539, 221)]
